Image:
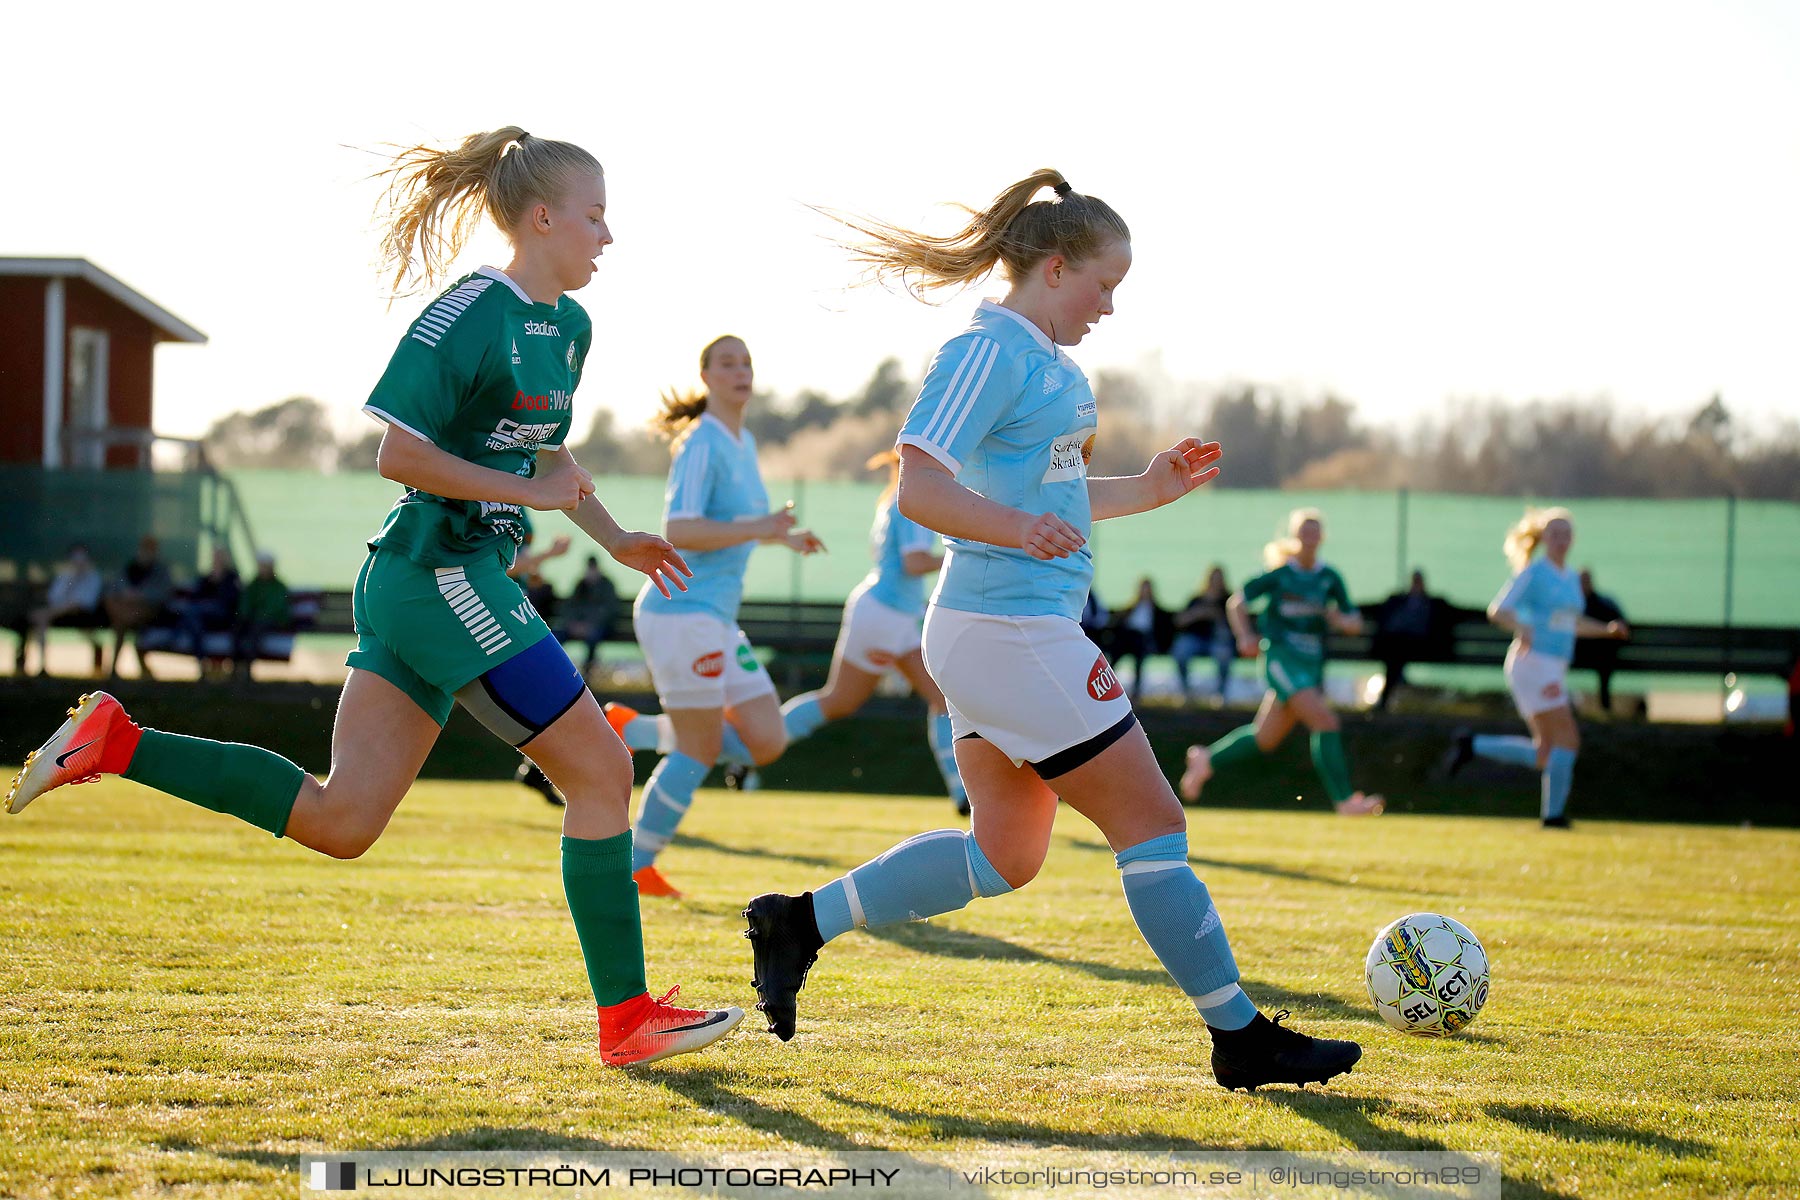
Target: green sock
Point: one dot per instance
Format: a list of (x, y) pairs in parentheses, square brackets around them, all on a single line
[(246, 782), (1328, 761), (603, 900), (1238, 746)]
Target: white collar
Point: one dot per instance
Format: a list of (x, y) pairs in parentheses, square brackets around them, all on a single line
[(723, 428), (500, 276), (1024, 322)]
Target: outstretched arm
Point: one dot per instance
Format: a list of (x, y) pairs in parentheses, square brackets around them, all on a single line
[(415, 462), (1171, 475)]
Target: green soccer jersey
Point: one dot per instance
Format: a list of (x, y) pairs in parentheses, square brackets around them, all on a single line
[(1293, 620), (485, 374)]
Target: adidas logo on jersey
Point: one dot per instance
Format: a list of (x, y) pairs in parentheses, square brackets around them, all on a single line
[(541, 329), (1049, 382)]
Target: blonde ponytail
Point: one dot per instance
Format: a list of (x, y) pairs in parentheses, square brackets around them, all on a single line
[(435, 198), (1523, 538), (1015, 232), (889, 460), (1284, 548)]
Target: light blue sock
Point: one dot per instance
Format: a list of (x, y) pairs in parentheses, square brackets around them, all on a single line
[(1175, 913), (1559, 774), (1514, 751), (802, 716), (640, 733), (732, 751), (924, 876), (943, 748), (666, 798)]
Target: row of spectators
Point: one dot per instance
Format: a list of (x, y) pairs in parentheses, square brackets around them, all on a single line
[(143, 596)]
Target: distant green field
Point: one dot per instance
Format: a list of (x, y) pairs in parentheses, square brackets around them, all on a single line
[(187, 1006), (1662, 560)]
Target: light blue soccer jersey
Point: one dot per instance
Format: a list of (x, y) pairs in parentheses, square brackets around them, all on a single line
[(1548, 600), (715, 476), (1015, 419), (891, 539)]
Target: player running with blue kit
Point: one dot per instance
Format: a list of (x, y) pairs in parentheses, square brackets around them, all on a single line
[(881, 631), (476, 403), (716, 695), (994, 456), (1541, 605)]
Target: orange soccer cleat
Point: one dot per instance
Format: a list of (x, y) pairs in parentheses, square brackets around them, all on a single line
[(642, 1030), (650, 882), (97, 739), (619, 716)]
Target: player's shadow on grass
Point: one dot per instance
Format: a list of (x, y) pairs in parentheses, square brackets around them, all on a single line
[(692, 842), (1350, 1117), (480, 1138), (941, 1126), (926, 938), (1564, 1124)]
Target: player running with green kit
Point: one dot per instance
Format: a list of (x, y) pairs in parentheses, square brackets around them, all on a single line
[(1305, 600), (476, 401)]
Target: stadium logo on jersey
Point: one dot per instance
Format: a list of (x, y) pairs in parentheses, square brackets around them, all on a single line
[(1102, 683), (710, 666), (510, 435), (516, 359), (541, 329), (1069, 455)]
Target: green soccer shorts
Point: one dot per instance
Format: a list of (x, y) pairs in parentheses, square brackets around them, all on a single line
[(430, 631), (1287, 673)]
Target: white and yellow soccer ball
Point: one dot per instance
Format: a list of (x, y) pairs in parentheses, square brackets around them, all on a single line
[(1427, 975)]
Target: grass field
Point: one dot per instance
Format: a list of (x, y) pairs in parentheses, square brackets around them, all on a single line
[(186, 1007)]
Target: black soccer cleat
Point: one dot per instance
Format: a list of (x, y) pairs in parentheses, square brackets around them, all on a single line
[(1266, 1051), (785, 943), (533, 777), (1459, 755), (1557, 822), (741, 777)]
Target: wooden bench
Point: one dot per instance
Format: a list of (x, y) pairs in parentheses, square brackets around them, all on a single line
[(803, 633)]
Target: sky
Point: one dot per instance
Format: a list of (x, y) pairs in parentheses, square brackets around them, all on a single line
[(1401, 203)]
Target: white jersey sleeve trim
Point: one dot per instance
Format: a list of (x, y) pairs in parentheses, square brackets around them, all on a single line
[(932, 448), (390, 419)]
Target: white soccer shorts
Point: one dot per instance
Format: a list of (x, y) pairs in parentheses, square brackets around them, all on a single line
[(699, 661), (875, 635), (1538, 682), (1033, 686)]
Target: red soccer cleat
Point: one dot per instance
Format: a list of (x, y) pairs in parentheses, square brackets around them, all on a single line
[(97, 739), (642, 1030)]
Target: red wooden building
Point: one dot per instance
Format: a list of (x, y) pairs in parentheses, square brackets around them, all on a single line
[(76, 356)]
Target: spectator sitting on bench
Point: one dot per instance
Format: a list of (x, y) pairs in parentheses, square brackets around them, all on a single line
[(138, 599), (213, 604), (72, 603), (262, 609), (589, 612)]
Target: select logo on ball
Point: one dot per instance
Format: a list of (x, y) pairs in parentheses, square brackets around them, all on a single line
[(710, 666)]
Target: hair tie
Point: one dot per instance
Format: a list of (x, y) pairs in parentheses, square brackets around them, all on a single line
[(1062, 189)]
